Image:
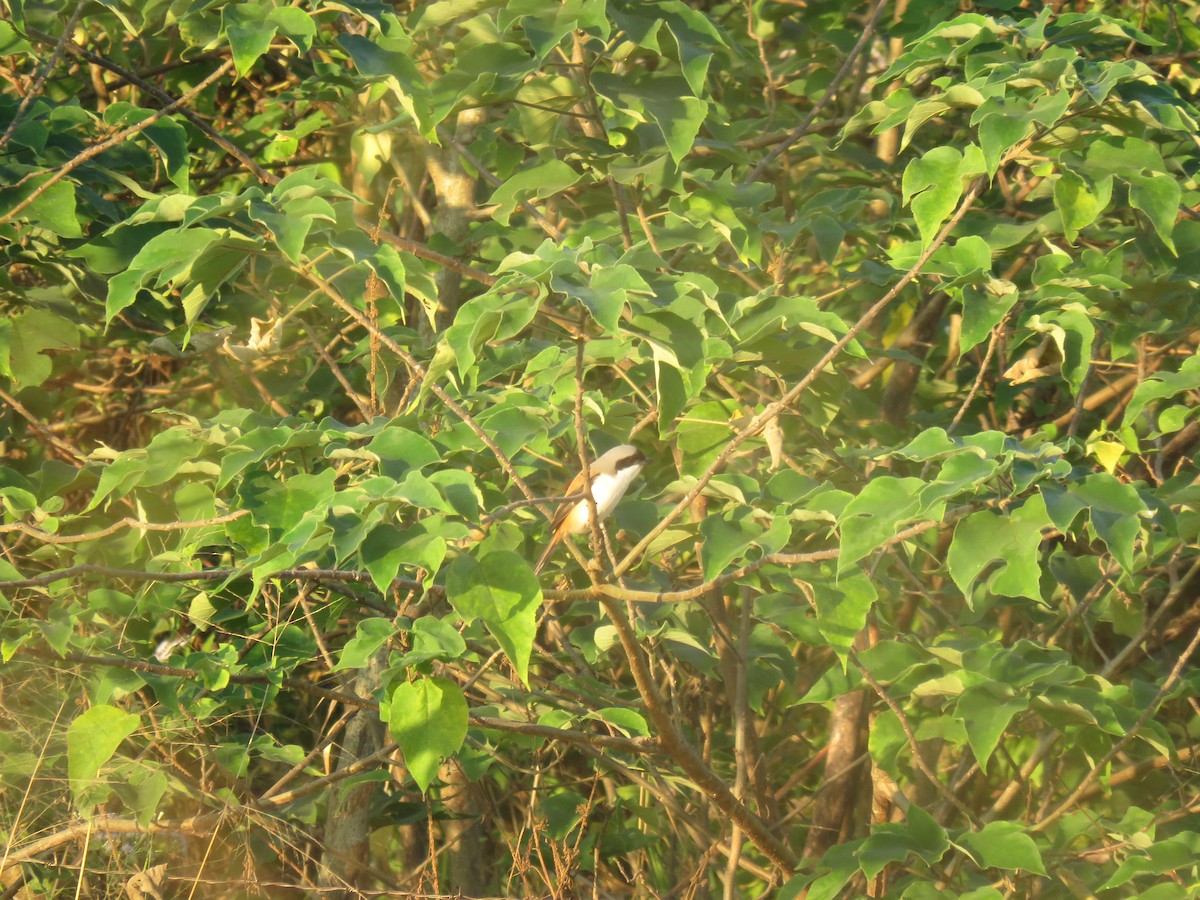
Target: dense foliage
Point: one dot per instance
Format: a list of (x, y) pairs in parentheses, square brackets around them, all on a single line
[(312, 310)]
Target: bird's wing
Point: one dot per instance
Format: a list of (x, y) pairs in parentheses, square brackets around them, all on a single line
[(564, 509)]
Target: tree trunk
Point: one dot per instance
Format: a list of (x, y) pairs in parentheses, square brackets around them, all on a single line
[(346, 856)]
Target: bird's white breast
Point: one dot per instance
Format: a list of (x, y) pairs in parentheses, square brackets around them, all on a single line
[(607, 491)]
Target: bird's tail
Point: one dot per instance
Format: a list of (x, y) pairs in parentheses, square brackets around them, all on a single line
[(545, 557)]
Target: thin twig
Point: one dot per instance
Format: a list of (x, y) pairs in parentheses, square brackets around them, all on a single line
[(118, 138), (41, 77), (1152, 622), (1099, 398), (1093, 594), (502, 511), (539, 217), (685, 755), (331, 364), (67, 450), (581, 447), (300, 573), (913, 746), (162, 96), (633, 745), (802, 129), (983, 367), (774, 409), (31, 781), (419, 372), (596, 592), (741, 653), (128, 522), (1102, 764)]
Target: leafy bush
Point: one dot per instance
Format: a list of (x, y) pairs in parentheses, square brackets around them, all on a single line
[(313, 309)]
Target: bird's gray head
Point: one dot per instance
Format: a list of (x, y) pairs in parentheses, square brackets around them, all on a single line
[(620, 458)]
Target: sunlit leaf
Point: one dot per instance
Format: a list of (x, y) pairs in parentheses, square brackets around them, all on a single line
[(428, 719)]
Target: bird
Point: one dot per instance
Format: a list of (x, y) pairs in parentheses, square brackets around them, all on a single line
[(611, 475)]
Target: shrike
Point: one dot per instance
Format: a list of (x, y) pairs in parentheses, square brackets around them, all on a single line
[(611, 475)]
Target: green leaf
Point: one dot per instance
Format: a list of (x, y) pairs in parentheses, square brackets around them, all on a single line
[(1161, 385), (766, 315), (929, 444), (1116, 510), (460, 490), (1157, 195), (171, 255), (195, 501), (1107, 453), (11, 43), (887, 741), (295, 24), (877, 111), (122, 474), (305, 184), (201, 611), (165, 133), (695, 37), (726, 538), (965, 257), (667, 100), (502, 591), (545, 27), (250, 447), (23, 348), (932, 185), (292, 508), (249, 32), (392, 59), (146, 788), (875, 515), (92, 739), (1119, 156), (704, 432), (1174, 853), (55, 209), (987, 537), (1078, 202), (920, 113), (289, 231), (962, 473), (1003, 845), (433, 638), (894, 842), (369, 636), (443, 13), (842, 609), (428, 719), (541, 181), (983, 309), (170, 453), (419, 491), (1073, 332), (608, 292), (985, 715), (841, 863), (400, 450), (998, 133), (388, 547), (628, 722)]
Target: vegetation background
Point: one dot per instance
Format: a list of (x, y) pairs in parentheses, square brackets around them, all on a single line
[(311, 310)]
